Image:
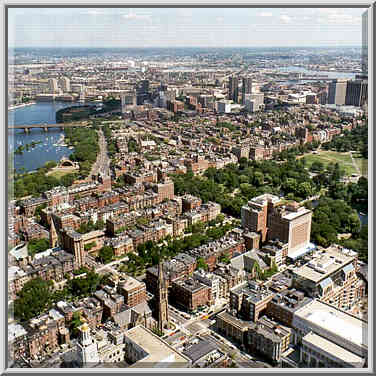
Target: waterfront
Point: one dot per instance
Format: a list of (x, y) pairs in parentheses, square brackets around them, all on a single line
[(39, 113)]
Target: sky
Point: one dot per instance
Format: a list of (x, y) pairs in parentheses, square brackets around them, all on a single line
[(184, 27)]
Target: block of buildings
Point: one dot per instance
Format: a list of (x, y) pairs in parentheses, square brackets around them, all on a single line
[(331, 276)]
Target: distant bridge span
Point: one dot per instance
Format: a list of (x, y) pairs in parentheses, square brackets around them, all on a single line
[(45, 127)]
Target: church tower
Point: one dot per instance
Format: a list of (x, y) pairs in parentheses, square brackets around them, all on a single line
[(88, 349), (53, 235), (162, 300)]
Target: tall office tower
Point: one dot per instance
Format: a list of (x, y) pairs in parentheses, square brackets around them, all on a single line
[(64, 83), (246, 88), (52, 85), (356, 93), (143, 87), (337, 92), (142, 92), (162, 299), (233, 89)]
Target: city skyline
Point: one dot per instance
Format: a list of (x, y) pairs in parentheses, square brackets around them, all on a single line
[(184, 27)]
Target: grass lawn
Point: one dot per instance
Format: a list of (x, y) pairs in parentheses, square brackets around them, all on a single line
[(326, 157), (363, 165), (59, 173)]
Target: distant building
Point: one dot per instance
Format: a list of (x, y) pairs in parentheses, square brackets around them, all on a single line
[(52, 86), (65, 85), (233, 89), (356, 93), (128, 99), (224, 107), (337, 92), (246, 88), (254, 102)]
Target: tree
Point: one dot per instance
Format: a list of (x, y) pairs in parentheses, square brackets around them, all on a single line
[(225, 258), (106, 254), (75, 324), (201, 264), (34, 299), (304, 189), (317, 166), (37, 245)]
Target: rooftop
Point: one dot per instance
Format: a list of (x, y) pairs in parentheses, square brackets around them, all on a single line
[(333, 350), (324, 263), (159, 353), (199, 350), (335, 321)]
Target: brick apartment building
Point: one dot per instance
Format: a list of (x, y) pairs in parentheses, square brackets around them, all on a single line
[(190, 294), (289, 223), (134, 291)]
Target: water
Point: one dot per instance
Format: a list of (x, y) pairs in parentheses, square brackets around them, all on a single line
[(38, 113), (330, 74), (363, 219)]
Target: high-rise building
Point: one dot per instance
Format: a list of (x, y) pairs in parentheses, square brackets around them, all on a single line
[(267, 216), (337, 92), (64, 83), (233, 89), (52, 85), (162, 299), (143, 87), (142, 91), (356, 93), (246, 88)]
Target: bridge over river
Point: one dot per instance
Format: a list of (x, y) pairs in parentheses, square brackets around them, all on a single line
[(46, 127)]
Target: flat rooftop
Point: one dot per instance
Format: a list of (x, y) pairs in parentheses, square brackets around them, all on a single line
[(130, 283), (335, 351), (159, 353), (324, 264), (335, 321), (199, 350)]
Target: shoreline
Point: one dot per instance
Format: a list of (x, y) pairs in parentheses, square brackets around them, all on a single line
[(14, 107)]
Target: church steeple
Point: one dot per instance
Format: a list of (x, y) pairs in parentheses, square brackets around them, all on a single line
[(162, 299), (53, 235)]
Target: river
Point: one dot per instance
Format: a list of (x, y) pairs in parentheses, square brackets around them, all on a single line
[(39, 113), (330, 74)]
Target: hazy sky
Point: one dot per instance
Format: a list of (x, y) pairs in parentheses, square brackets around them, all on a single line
[(147, 27)]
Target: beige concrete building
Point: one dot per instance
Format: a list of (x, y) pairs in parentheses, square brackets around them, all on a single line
[(146, 350)]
